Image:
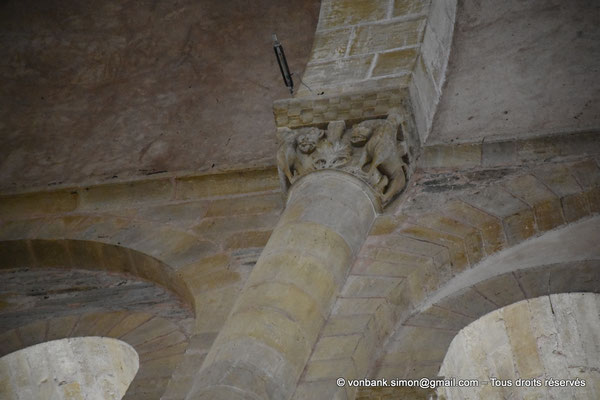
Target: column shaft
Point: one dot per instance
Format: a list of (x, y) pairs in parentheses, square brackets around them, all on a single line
[(263, 348)]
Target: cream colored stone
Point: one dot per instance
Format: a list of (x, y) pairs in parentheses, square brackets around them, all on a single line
[(65, 369), (541, 338), (328, 216)]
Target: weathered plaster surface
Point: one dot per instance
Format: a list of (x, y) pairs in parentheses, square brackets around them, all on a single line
[(521, 68), (112, 88)]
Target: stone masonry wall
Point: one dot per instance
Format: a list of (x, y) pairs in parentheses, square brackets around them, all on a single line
[(364, 45)]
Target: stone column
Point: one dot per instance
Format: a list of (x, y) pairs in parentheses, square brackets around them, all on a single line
[(337, 179), (267, 340)]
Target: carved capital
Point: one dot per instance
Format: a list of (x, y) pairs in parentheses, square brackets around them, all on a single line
[(372, 150)]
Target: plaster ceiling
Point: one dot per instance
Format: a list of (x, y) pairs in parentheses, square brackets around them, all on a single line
[(100, 90), (521, 68)]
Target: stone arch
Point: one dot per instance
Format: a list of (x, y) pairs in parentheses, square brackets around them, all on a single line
[(91, 255), (561, 261), (409, 257), (113, 245), (525, 344), (160, 343), (149, 250)]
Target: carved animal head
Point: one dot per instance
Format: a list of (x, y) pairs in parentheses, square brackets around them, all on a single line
[(361, 133), (333, 157), (308, 139)]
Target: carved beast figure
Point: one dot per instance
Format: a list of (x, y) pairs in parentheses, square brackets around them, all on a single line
[(294, 156), (382, 151)]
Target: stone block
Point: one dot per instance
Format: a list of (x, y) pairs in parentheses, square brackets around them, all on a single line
[(128, 324), (502, 290), (16, 254), (368, 266), (454, 156), (538, 149), (326, 389), (471, 237), (86, 254), (593, 197), (160, 368), (330, 370), (387, 36), (395, 62), (245, 205), (330, 44), (354, 306), (216, 305), (398, 257), (286, 299), (490, 227), (519, 226), (9, 342), (33, 333), (439, 254), (558, 178), (382, 324), (345, 325), (227, 183), (148, 330), (335, 347), (59, 328), (495, 154), (409, 341), (548, 215), (181, 215), (468, 302), (587, 174), (517, 320), (496, 201), (124, 195), (439, 318), (54, 253), (105, 321), (40, 203), (219, 228), (337, 13), (313, 240), (338, 72), (119, 259), (383, 225), (419, 284), (301, 271), (170, 344), (454, 244), (362, 355), (199, 277), (271, 328), (529, 189), (244, 240), (407, 7), (23, 229), (574, 206), (369, 286)]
